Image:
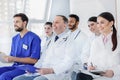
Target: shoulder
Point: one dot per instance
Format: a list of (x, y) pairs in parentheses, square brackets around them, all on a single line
[(32, 35), (96, 41), (98, 38), (82, 36), (43, 37), (16, 36)]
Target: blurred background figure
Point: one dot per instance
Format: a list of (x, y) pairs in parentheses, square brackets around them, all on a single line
[(46, 39), (92, 24)]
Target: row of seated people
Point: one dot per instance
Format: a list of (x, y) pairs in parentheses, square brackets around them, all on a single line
[(67, 53)]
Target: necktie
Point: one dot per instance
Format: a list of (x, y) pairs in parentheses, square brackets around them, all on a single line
[(56, 38)]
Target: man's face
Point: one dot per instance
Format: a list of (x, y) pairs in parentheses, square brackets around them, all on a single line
[(18, 24), (72, 24), (59, 25)]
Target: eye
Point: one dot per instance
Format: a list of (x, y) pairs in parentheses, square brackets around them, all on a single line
[(102, 22), (97, 22), (48, 28), (92, 24)]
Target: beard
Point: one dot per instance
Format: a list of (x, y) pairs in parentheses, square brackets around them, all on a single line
[(73, 27), (18, 29)]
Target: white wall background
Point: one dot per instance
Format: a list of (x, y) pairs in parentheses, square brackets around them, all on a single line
[(5, 38), (59, 7), (118, 15), (88, 8)]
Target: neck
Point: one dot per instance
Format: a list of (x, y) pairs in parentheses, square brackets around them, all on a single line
[(97, 34), (50, 35), (22, 33), (74, 29), (107, 32)]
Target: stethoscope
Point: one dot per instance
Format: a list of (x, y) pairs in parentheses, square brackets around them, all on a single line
[(77, 35), (48, 43)]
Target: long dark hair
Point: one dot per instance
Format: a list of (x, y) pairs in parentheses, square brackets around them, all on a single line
[(108, 16)]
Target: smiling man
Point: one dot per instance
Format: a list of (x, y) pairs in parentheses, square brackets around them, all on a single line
[(25, 49)]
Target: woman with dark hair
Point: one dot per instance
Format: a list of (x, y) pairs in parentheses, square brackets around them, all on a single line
[(46, 38), (92, 24), (105, 51)]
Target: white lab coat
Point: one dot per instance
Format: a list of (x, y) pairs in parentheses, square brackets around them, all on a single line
[(104, 58), (79, 40), (44, 45), (45, 41), (59, 57), (85, 57)]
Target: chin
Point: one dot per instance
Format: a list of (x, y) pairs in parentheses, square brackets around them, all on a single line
[(70, 28)]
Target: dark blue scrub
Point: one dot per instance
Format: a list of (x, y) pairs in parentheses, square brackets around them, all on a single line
[(28, 46)]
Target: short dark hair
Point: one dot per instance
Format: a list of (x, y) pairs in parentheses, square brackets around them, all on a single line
[(93, 18), (48, 23), (64, 18), (23, 17), (74, 16)]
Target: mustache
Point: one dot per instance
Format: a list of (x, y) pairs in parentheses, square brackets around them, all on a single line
[(16, 26), (72, 25)]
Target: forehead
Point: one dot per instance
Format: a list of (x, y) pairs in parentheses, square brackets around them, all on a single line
[(101, 19), (72, 19), (91, 22), (17, 18), (58, 18), (47, 26)]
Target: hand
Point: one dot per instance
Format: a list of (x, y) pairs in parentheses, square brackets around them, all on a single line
[(44, 71), (9, 58), (108, 73), (28, 72), (91, 68)]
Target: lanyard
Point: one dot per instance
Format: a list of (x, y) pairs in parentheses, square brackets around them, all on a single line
[(48, 43), (77, 35)]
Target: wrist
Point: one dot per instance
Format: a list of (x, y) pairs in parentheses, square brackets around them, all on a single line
[(51, 70)]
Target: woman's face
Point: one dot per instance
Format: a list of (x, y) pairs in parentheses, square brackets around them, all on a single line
[(48, 30), (104, 25), (93, 26)]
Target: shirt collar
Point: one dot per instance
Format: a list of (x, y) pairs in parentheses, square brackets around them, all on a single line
[(106, 38), (60, 35)]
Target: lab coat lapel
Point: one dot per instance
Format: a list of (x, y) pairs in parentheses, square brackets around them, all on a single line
[(61, 41)]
